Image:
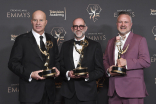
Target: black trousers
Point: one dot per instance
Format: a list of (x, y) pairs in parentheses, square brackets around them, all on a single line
[(75, 100), (45, 100)]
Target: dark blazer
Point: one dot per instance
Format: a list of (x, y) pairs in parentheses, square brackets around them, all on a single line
[(131, 85), (85, 90), (25, 58)]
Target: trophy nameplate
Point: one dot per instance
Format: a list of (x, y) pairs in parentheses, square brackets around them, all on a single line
[(81, 71)]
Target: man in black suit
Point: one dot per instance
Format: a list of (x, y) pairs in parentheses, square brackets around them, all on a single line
[(77, 89), (27, 61)]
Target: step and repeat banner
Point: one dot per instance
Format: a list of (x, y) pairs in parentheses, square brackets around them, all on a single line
[(100, 17)]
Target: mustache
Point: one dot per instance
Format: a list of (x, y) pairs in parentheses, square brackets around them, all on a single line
[(78, 30)]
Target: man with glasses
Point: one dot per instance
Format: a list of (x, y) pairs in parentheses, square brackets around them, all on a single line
[(80, 89)]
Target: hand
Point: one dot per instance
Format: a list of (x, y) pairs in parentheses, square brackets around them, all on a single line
[(36, 76), (110, 69), (57, 72), (71, 75), (121, 62)]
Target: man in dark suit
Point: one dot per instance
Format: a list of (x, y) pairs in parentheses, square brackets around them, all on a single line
[(76, 89), (128, 89), (27, 61)]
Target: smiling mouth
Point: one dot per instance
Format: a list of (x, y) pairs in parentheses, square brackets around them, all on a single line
[(78, 31), (38, 26), (122, 27)]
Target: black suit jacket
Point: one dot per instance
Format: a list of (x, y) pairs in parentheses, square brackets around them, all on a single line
[(25, 58), (85, 90)]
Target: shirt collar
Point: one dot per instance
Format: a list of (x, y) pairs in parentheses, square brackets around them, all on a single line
[(36, 35), (126, 36)]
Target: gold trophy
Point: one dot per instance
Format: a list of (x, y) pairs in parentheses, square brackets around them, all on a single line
[(119, 69), (81, 71), (47, 72)]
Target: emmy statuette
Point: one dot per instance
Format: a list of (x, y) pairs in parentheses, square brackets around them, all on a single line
[(119, 69), (48, 71), (81, 71)]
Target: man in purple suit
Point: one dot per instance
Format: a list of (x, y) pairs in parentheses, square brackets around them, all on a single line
[(128, 89)]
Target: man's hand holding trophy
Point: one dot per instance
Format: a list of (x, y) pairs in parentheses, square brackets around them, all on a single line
[(121, 63), (47, 72), (79, 71)]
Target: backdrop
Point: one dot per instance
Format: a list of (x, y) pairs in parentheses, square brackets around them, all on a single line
[(100, 17)]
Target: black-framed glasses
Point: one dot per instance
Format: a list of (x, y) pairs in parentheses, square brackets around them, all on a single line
[(80, 27)]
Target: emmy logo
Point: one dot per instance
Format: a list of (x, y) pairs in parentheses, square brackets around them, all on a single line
[(13, 37), (153, 12), (59, 34), (154, 30), (94, 11)]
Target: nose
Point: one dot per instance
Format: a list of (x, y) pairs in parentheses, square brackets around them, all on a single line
[(122, 24), (38, 22), (78, 28)]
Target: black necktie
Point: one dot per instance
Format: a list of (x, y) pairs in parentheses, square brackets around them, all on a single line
[(42, 44)]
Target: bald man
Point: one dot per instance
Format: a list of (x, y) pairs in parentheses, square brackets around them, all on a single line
[(80, 89), (27, 61)]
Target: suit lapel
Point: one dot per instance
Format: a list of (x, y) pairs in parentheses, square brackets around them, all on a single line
[(71, 53), (34, 45), (113, 51), (85, 52), (128, 42)]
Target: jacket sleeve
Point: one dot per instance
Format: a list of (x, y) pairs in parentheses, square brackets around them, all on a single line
[(62, 65), (98, 70), (15, 60), (56, 52), (143, 60), (106, 59)]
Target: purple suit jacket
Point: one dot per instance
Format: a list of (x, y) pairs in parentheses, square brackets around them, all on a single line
[(132, 85)]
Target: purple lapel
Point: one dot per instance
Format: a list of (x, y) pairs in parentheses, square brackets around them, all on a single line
[(113, 51)]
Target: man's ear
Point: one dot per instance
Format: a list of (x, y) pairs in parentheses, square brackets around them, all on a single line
[(72, 29)]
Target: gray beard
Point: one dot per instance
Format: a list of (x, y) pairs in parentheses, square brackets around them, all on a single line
[(83, 33)]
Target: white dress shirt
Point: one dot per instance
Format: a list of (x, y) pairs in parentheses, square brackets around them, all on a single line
[(76, 55), (37, 38)]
